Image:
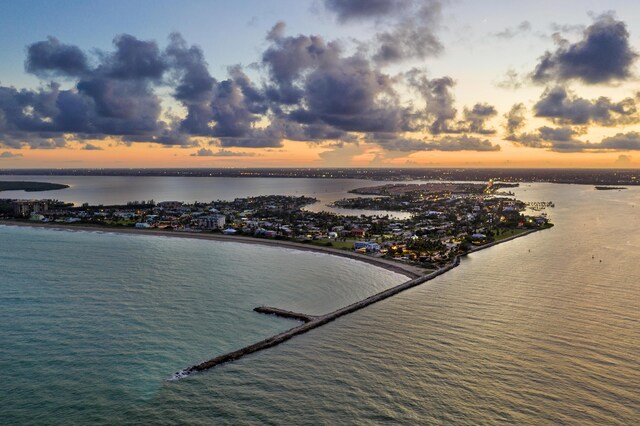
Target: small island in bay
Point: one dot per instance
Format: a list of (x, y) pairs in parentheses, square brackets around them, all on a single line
[(30, 186), (610, 188)]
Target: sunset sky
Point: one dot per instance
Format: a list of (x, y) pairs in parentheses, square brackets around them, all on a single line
[(320, 83)]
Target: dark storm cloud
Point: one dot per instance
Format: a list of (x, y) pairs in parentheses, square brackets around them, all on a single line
[(563, 107), (603, 55), (50, 57)]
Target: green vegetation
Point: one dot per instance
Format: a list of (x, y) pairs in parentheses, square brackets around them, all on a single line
[(30, 186)]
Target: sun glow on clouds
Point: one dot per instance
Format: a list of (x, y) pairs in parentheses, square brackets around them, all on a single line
[(399, 92)]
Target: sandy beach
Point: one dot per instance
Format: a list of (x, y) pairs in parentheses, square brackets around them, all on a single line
[(410, 271)]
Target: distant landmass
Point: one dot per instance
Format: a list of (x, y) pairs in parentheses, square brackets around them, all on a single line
[(572, 176), (30, 186), (609, 188)]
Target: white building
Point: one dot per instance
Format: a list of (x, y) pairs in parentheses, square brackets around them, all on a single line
[(214, 221)]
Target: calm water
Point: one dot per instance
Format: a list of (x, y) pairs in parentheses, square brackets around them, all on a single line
[(120, 189), (541, 330)]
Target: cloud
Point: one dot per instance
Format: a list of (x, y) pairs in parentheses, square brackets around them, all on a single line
[(511, 80), (7, 154), (516, 119), (564, 107), (622, 141), (309, 90), (50, 57), (91, 147), (221, 153), (445, 143), (475, 118), (511, 32), (623, 161), (406, 28), (318, 88), (602, 56), (347, 10), (440, 112), (563, 139)]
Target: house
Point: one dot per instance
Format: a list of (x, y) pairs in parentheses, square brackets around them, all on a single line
[(357, 232)]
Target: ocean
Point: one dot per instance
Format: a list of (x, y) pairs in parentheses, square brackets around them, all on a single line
[(544, 329)]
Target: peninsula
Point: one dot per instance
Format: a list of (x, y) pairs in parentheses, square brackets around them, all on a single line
[(447, 221), (30, 186)]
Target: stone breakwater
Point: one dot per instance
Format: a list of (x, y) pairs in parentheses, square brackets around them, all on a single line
[(310, 321)]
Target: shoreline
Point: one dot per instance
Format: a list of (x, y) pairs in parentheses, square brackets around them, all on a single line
[(407, 270)]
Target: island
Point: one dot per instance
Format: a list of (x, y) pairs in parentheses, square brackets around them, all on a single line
[(30, 186)]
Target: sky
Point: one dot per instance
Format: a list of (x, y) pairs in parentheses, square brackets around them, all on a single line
[(319, 83)]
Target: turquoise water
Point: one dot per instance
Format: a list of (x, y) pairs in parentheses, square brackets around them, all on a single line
[(544, 329), (92, 325)]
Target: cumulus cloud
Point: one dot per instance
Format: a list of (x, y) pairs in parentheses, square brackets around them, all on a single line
[(603, 55), (440, 112), (50, 58), (311, 90), (564, 107), (406, 28)]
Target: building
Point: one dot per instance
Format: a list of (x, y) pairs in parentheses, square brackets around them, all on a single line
[(214, 221), (170, 204), (25, 208)]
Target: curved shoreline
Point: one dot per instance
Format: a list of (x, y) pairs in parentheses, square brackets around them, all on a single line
[(310, 322), (407, 270)]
